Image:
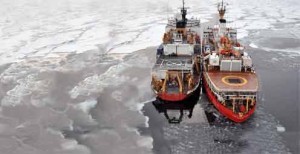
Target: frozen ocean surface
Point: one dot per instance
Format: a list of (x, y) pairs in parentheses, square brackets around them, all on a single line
[(75, 74)]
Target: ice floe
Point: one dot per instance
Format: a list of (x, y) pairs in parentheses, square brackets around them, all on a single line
[(280, 129), (253, 45), (87, 105)]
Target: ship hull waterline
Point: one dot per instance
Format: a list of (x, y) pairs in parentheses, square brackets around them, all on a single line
[(225, 111), (176, 97)]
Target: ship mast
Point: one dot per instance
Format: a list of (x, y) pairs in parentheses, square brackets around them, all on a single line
[(222, 10), (183, 11), (182, 22)]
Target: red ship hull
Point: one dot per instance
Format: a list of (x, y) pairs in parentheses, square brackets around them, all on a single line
[(178, 97), (225, 111), (172, 97)]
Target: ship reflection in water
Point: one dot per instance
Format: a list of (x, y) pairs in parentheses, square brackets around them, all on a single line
[(181, 111), (175, 112)]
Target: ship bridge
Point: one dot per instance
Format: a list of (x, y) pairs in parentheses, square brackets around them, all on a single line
[(193, 22)]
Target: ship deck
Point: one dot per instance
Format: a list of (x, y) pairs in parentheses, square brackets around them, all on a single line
[(233, 81)]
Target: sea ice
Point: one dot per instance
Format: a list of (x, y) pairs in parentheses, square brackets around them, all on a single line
[(253, 45), (280, 129), (87, 105)]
